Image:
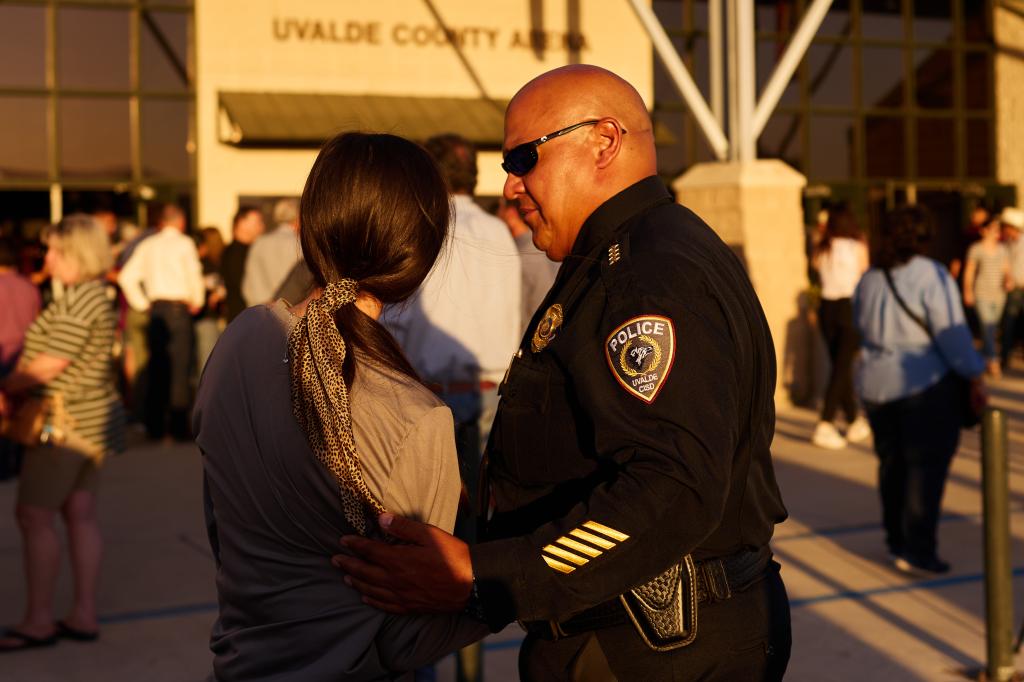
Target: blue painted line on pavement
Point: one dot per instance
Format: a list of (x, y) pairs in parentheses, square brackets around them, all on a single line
[(156, 614), (193, 609), (892, 589), (853, 595), (860, 528)]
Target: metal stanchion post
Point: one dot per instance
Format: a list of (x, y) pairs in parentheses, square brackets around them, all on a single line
[(998, 585)]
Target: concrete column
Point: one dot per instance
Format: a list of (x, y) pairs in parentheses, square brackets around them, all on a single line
[(1008, 27), (755, 207)]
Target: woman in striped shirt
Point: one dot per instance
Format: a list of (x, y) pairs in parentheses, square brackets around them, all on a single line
[(67, 353)]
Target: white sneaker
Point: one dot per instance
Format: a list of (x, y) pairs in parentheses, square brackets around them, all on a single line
[(858, 431), (826, 435)]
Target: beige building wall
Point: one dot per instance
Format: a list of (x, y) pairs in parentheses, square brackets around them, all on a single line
[(1009, 87), (395, 47)]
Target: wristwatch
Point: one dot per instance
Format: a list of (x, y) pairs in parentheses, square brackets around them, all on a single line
[(475, 606)]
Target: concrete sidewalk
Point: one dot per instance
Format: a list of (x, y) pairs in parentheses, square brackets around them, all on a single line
[(854, 617)]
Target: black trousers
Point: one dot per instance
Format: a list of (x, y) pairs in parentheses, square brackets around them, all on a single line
[(842, 341), (915, 439), (746, 637), (171, 348)]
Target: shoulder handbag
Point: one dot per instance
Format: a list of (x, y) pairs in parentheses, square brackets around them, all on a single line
[(970, 416), (37, 420)]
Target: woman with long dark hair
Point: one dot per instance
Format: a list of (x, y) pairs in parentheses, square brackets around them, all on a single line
[(915, 343), (840, 258), (311, 422)]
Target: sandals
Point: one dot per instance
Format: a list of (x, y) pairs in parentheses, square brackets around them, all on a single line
[(65, 631), (25, 641)]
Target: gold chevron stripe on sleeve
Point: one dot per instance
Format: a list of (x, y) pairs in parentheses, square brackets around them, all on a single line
[(565, 554), (592, 539), (557, 565), (605, 530), (578, 546)]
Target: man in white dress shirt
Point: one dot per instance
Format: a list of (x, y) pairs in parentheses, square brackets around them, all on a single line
[(462, 327), (273, 255), (163, 276), (538, 271)]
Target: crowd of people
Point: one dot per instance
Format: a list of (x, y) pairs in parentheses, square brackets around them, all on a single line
[(989, 274), (903, 349), (364, 406), (129, 326), (387, 306)]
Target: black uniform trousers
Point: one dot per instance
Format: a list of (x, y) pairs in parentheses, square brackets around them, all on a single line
[(842, 341), (171, 347), (746, 637), (915, 439)]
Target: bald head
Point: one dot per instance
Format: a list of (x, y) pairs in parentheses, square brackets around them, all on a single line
[(578, 171), (580, 90)]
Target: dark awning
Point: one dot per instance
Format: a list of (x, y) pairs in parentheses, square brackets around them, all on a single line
[(278, 119), (306, 120)]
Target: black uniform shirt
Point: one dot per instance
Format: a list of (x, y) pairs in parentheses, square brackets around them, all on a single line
[(637, 429)]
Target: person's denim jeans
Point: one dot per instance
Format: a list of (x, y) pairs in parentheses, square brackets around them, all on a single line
[(915, 439), (990, 314)]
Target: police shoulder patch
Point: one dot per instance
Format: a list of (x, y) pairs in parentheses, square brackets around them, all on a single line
[(640, 353)]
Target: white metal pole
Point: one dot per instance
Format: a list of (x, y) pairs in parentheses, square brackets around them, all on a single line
[(682, 79), (716, 68), (746, 80), (795, 51), (732, 80)]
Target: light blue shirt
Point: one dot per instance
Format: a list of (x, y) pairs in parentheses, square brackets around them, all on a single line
[(897, 357)]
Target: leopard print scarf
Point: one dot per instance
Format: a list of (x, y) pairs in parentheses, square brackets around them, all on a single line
[(320, 402)]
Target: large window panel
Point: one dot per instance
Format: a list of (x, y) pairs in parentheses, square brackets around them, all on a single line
[(670, 13), (781, 16), (22, 46), (936, 151), (783, 139), (883, 78), (838, 21), (832, 148), (881, 20), (933, 78), (702, 148), (163, 51), (700, 16), (165, 153), (94, 139), (768, 54), (979, 148), (672, 159), (933, 21), (23, 138), (975, 22), (884, 141), (977, 80), (92, 48), (701, 66), (830, 75)]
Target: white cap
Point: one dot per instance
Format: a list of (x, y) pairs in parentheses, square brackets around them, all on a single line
[(1014, 217)]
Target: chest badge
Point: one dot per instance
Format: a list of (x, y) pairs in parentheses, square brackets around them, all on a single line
[(640, 353), (547, 328)]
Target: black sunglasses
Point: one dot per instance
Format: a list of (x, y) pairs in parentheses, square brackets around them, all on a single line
[(521, 159)]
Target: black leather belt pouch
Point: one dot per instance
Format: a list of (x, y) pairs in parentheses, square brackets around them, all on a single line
[(664, 610)]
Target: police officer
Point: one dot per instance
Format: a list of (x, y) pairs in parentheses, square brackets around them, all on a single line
[(631, 481)]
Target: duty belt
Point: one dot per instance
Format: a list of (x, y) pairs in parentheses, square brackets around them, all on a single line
[(716, 579)]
